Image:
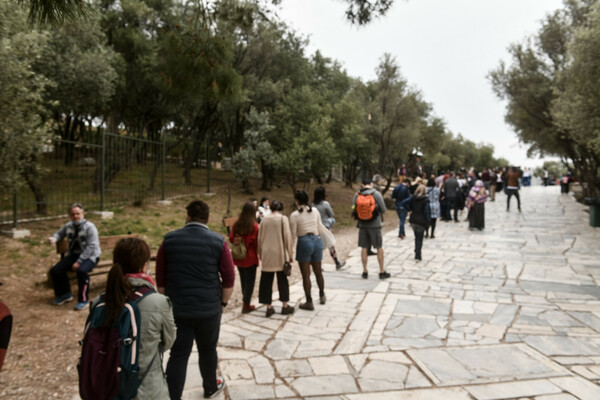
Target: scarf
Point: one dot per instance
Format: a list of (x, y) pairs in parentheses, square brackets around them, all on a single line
[(142, 275)]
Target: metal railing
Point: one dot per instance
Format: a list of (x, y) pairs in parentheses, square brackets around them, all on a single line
[(101, 170)]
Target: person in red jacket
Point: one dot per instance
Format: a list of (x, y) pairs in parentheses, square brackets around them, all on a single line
[(5, 329), (246, 230)]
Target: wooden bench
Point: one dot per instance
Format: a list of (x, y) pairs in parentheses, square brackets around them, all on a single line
[(107, 244), (228, 223)]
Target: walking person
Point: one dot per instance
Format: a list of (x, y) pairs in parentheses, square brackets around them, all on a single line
[(368, 206), (245, 229), (275, 247), (195, 269), (512, 187), (433, 194), (401, 195), (82, 256), (475, 204), (304, 225), (451, 195), (320, 203), (419, 217), (129, 274)]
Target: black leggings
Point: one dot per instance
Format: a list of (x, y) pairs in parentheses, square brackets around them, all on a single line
[(432, 226), (247, 280), (305, 270)]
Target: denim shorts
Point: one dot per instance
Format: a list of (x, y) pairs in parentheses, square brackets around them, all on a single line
[(309, 249)]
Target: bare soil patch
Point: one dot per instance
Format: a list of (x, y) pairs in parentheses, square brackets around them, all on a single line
[(43, 351)]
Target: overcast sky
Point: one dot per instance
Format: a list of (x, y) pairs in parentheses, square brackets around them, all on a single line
[(445, 48)]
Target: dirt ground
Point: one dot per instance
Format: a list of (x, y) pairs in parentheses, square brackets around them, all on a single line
[(43, 350)]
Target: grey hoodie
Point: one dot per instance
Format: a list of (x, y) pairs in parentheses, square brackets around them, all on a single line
[(376, 223)]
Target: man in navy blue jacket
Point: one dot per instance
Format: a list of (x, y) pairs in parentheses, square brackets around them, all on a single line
[(401, 194)]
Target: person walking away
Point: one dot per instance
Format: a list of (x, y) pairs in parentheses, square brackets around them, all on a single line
[(304, 225), (275, 247), (512, 187), (320, 203), (195, 269), (368, 206), (401, 195), (475, 204), (433, 194), (82, 256), (451, 195), (129, 274), (419, 217), (493, 184), (245, 230)]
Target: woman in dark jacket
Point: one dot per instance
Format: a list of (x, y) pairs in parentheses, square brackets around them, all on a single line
[(419, 217)]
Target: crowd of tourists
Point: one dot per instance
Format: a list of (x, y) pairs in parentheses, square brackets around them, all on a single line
[(195, 273)]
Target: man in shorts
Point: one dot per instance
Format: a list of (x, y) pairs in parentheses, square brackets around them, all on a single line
[(369, 232)]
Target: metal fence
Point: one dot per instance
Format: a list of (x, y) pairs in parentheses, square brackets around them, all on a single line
[(100, 170)]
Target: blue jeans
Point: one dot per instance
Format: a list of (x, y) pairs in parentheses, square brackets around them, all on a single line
[(402, 212), (60, 280)]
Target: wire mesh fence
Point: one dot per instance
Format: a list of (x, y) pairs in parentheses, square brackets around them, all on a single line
[(100, 170)]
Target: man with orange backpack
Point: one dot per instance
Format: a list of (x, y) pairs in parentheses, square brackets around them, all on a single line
[(368, 207)]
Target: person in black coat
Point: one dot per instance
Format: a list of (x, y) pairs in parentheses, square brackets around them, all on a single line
[(420, 216)]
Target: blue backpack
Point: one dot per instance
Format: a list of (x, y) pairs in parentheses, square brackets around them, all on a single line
[(108, 367)]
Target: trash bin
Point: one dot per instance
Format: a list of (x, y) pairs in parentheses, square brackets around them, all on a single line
[(594, 204)]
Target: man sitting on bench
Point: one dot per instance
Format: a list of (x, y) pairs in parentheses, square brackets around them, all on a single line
[(82, 256)]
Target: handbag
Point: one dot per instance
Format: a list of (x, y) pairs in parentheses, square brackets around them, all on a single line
[(238, 248), (287, 267), (326, 236)]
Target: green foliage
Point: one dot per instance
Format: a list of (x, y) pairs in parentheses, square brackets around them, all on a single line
[(256, 148), (23, 130), (551, 89)]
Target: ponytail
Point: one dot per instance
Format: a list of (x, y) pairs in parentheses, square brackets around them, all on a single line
[(302, 198), (129, 257), (117, 292)]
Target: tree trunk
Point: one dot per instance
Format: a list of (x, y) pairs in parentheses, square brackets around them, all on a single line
[(30, 176)]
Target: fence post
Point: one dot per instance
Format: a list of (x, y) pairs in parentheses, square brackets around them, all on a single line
[(207, 166), (164, 160), (103, 170), (15, 210)]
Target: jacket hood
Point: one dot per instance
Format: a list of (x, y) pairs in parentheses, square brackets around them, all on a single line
[(366, 191)]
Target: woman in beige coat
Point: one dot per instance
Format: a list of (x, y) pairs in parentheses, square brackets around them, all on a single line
[(274, 248)]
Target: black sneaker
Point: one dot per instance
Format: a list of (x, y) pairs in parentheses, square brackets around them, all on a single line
[(220, 387), (384, 275), (365, 275), (371, 253), (340, 265)]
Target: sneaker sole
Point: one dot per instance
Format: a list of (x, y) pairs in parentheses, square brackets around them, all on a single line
[(60, 303)]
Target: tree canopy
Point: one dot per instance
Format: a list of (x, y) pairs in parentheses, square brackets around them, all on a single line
[(200, 73)]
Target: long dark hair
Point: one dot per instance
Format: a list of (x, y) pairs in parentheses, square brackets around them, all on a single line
[(302, 198), (319, 195), (129, 257), (245, 222)]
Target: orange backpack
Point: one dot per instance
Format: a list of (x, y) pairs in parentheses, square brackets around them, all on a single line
[(366, 208)]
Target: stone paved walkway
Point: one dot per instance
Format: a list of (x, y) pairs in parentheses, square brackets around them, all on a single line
[(512, 312)]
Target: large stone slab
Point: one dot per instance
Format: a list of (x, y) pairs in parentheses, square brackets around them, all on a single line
[(481, 364)]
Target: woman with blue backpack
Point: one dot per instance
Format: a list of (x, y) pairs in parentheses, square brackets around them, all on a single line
[(130, 325)]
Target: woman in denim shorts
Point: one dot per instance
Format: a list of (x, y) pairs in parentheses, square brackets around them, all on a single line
[(304, 224)]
